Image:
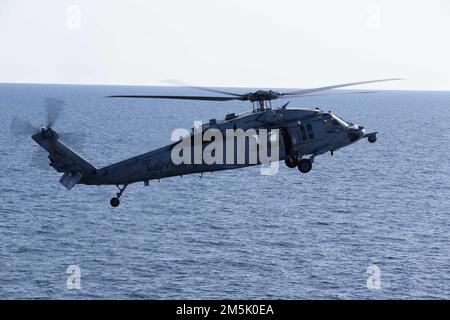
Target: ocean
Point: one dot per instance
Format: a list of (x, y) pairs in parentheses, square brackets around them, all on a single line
[(233, 234)]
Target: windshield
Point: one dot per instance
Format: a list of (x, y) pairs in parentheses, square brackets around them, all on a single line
[(341, 121), (333, 123)]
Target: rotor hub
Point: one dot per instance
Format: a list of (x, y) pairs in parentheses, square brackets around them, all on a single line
[(262, 95)]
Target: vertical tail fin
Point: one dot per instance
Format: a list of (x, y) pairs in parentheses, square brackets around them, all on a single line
[(63, 159)]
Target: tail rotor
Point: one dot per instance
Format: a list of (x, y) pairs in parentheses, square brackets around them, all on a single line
[(21, 128)]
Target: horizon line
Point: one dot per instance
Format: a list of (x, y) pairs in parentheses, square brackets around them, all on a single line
[(187, 86)]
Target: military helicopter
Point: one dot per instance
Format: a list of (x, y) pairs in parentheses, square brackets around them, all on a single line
[(303, 132)]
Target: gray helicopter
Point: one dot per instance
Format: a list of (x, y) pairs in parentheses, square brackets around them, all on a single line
[(303, 135)]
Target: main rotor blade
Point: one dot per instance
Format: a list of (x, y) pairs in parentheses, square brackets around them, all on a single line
[(206, 98), (326, 94), (190, 86), (306, 91)]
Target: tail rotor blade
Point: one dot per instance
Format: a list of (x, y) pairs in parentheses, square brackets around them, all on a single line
[(21, 127), (39, 160), (54, 108)]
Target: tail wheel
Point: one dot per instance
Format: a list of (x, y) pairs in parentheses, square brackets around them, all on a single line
[(291, 162), (304, 166), (114, 202)]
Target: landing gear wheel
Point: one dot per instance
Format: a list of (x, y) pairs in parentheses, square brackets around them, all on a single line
[(114, 202), (291, 162), (304, 166), (372, 139)]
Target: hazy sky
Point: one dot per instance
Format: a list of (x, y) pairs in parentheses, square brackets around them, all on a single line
[(227, 42)]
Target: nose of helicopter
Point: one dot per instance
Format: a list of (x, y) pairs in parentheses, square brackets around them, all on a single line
[(356, 132)]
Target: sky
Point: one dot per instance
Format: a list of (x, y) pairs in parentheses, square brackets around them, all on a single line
[(227, 43)]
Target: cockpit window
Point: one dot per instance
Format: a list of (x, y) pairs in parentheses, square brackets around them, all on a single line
[(341, 121), (333, 123)]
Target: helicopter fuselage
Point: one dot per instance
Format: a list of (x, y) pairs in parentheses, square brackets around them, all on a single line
[(302, 132)]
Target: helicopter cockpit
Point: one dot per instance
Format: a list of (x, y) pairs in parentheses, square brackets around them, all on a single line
[(333, 123)]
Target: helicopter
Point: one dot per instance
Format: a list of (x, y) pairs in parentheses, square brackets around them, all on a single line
[(303, 134)]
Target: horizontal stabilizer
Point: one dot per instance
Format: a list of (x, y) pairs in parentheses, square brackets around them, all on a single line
[(69, 179)]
